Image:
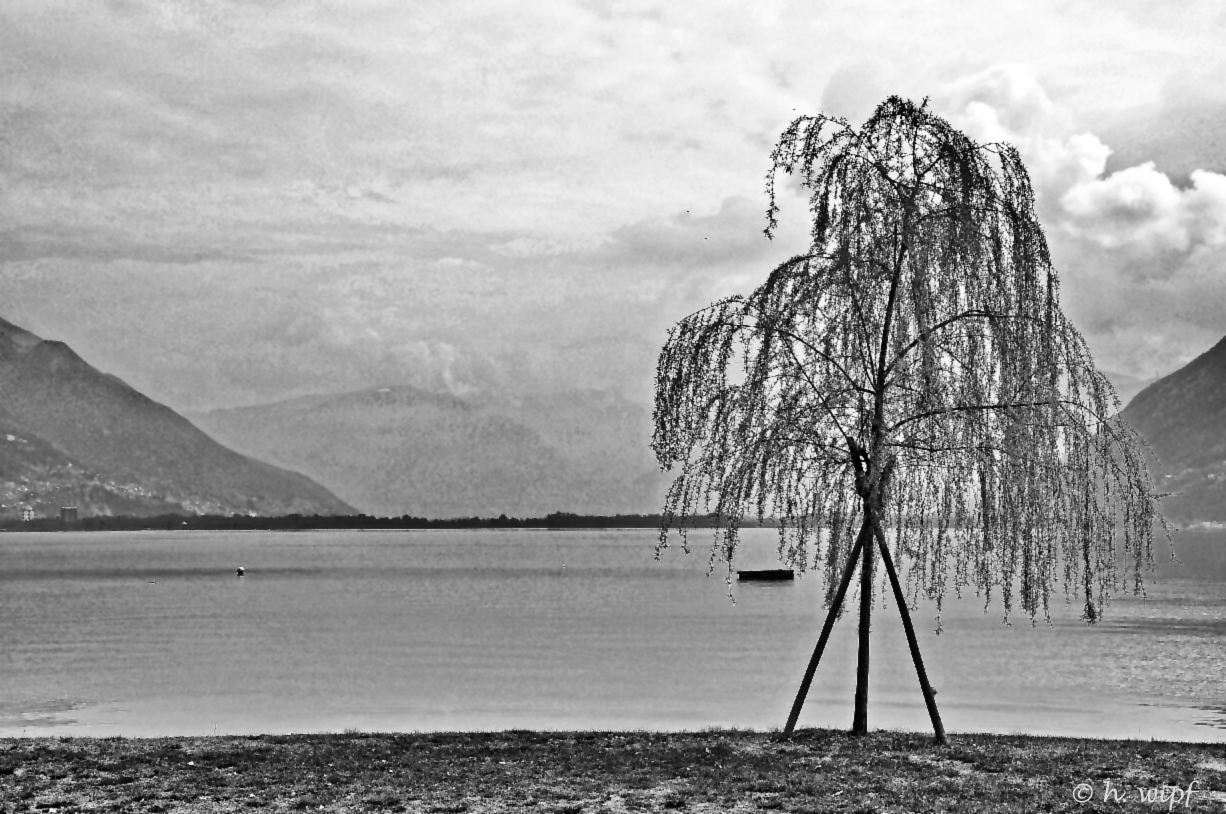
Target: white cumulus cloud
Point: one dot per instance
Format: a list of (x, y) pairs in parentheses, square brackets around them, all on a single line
[(1139, 253)]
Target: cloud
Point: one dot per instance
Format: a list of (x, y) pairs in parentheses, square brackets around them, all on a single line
[(1136, 205), (854, 91), (450, 310), (1141, 255), (549, 119), (1180, 131), (732, 235), (1140, 206), (232, 201), (1002, 100)]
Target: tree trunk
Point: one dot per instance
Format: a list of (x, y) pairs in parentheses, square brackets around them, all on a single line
[(859, 722)]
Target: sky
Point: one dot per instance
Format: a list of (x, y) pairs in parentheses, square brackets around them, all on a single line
[(230, 203)]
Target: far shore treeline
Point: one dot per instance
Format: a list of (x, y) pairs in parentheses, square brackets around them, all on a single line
[(299, 522)]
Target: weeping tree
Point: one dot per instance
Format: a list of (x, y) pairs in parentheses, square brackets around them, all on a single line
[(907, 389)]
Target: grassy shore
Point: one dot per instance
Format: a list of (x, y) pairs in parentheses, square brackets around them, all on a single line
[(712, 771)]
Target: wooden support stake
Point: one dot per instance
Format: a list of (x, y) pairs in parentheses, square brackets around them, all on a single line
[(929, 699), (865, 532)]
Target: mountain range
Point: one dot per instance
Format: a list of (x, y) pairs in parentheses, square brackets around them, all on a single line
[(403, 450), (71, 435), (1183, 418)]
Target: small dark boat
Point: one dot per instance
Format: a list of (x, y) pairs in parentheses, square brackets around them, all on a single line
[(767, 575), (242, 571)]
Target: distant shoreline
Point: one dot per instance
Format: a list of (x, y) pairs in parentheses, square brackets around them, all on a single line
[(298, 522), (573, 772)]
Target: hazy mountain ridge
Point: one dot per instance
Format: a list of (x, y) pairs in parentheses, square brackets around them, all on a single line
[(73, 435), (1183, 418), (403, 450)]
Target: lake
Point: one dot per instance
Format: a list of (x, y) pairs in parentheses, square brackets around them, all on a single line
[(152, 633)]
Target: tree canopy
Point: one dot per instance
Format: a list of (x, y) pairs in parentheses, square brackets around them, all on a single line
[(912, 377)]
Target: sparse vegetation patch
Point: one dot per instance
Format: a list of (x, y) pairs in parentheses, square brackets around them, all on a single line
[(568, 773)]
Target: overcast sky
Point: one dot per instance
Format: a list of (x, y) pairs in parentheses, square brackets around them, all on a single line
[(230, 203)]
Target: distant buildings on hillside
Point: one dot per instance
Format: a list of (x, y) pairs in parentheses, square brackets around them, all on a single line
[(68, 514)]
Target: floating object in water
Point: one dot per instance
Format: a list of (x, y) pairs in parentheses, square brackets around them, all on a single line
[(241, 571), (767, 575)]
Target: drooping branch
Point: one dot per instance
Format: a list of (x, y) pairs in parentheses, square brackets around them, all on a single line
[(921, 331)]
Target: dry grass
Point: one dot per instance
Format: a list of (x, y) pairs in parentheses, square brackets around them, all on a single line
[(713, 771)]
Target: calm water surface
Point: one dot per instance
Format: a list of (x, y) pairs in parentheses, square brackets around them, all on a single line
[(152, 633)]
